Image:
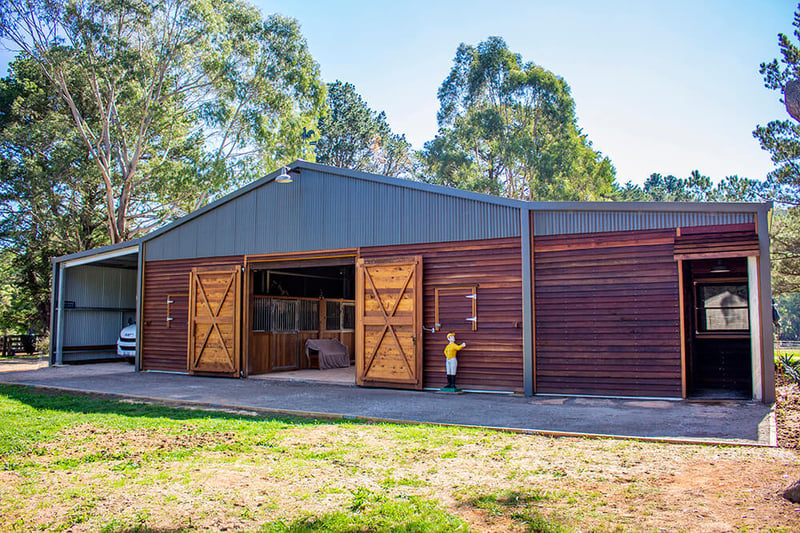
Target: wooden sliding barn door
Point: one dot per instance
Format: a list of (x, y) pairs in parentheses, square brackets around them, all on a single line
[(389, 322), (215, 322)]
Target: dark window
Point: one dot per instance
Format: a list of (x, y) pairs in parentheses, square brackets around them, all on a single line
[(333, 316)]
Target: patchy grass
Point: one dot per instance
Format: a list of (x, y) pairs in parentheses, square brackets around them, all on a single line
[(368, 511), (85, 464)]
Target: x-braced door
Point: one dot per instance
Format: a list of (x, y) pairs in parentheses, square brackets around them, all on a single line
[(214, 322), (389, 322)]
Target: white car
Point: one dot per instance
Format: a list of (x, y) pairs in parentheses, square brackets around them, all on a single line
[(126, 343)]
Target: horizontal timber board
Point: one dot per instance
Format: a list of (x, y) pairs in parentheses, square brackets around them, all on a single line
[(165, 347), (607, 312), (493, 357)]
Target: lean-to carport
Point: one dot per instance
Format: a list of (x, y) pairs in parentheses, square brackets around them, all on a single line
[(94, 297)]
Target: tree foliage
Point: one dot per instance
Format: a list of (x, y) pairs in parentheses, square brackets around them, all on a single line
[(781, 138), (174, 100), (695, 188), (508, 127), (789, 310), (351, 135), (50, 204), (120, 115)]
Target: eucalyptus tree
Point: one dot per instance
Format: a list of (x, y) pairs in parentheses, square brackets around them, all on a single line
[(186, 98), (781, 138), (351, 135), (508, 127)]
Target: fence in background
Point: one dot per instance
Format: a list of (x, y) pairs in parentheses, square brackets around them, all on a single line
[(11, 345)]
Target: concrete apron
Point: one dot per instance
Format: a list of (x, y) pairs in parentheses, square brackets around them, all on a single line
[(727, 422)]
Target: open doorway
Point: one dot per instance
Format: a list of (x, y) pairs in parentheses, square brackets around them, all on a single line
[(717, 312), (302, 318)]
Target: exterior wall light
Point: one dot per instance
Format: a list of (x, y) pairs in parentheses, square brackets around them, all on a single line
[(720, 268), (285, 177)]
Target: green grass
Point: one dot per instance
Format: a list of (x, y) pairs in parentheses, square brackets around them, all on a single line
[(368, 511), (29, 416), (23, 357)]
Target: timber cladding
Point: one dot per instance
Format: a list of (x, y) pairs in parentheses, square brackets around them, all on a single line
[(607, 314), (166, 295), (493, 357)]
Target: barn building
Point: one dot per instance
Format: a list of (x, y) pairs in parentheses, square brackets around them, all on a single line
[(655, 300)]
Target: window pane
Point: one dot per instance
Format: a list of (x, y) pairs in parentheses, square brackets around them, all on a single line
[(723, 307), (724, 320), (733, 295)]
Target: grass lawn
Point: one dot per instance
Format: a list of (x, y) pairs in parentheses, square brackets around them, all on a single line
[(83, 464)]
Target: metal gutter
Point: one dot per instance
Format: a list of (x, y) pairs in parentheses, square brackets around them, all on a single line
[(98, 254)]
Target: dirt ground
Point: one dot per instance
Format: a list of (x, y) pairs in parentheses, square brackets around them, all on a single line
[(787, 416)]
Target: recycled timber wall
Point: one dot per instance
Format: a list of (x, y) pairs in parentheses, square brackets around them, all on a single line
[(607, 314), (166, 295), (493, 357)]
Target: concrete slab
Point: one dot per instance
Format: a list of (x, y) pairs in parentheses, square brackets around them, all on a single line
[(720, 422), (333, 376)]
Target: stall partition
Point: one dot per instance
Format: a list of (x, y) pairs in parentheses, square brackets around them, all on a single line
[(282, 325)]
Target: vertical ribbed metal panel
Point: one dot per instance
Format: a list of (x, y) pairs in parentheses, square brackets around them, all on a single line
[(104, 298), (321, 211), (93, 328), (573, 221)]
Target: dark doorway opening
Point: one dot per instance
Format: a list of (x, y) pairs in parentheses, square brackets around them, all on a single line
[(718, 329), (292, 302)]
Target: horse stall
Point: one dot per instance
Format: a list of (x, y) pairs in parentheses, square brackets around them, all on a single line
[(293, 306)]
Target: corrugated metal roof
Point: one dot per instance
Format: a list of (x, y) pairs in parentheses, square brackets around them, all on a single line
[(111, 250), (591, 221), (328, 208), (321, 210)]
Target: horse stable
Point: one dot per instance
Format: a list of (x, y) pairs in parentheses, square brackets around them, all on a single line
[(616, 299)]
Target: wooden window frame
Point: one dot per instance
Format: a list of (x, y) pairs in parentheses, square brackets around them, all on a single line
[(697, 309), (170, 301), (473, 292)]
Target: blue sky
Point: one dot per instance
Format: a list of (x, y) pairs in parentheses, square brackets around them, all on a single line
[(663, 87)]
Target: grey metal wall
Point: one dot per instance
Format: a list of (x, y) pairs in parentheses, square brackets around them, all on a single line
[(580, 221), (320, 211), (104, 298)]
